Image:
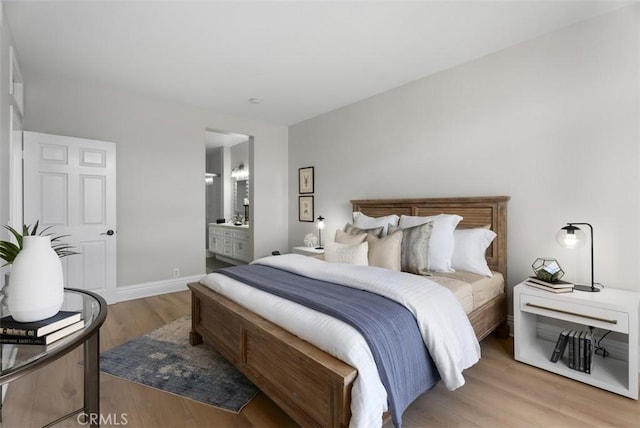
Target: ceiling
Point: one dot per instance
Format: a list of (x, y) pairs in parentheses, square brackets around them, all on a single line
[(300, 58)]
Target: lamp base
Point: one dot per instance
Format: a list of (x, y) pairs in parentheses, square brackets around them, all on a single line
[(320, 247), (584, 287)]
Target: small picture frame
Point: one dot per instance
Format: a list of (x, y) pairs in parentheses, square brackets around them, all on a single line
[(305, 208), (305, 180)]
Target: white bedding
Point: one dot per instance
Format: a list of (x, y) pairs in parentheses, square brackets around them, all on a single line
[(444, 326)]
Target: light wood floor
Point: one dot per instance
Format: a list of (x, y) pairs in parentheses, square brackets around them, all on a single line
[(213, 264), (499, 391)]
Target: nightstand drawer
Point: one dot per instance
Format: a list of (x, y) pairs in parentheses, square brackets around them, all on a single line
[(603, 318)]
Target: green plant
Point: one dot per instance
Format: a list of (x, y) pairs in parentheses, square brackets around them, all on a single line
[(9, 250)]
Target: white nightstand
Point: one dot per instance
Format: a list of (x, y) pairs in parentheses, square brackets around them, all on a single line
[(539, 316), (309, 251)]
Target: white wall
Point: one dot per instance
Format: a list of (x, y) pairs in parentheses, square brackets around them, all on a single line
[(6, 40), (161, 165), (552, 122)]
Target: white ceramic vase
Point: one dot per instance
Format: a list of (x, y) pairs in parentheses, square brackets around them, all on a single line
[(36, 284)]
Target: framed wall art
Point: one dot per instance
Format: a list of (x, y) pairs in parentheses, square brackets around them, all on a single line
[(305, 208), (305, 180)]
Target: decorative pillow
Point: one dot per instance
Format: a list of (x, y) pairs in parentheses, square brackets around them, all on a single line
[(345, 238), (335, 252), (385, 252), (415, 248), (470, 249), (442, 243), (365, 222), (352, 230)]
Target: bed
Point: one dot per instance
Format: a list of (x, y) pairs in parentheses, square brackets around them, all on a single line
[(310, 385)]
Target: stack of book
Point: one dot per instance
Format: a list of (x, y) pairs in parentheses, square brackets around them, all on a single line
[(579, 347), (41, 332), (558, 286)]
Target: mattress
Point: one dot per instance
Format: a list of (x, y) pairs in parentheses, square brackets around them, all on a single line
[(472, 290)]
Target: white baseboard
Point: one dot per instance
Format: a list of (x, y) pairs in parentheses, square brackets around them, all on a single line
[(155, 288)]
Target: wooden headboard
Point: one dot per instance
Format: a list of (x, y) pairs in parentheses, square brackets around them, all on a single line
[(476, 212)]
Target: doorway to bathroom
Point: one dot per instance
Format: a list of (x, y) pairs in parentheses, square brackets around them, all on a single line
[(228, 198)]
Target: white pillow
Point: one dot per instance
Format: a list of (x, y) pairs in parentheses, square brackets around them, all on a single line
[(441, 243), (362, 221), (335, 252), (469, 253)]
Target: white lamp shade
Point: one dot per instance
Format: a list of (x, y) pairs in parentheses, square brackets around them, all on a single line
[(571, 237)]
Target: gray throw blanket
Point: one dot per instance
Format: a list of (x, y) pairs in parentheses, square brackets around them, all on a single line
[(404, 364)]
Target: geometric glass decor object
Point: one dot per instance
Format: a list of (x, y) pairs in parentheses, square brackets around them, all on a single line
[(547, 269)]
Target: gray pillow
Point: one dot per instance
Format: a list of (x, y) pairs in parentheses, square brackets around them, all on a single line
[(414, 255), (352, 230)]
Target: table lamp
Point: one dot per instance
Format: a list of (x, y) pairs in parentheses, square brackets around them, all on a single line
[(571, 237), (320, 225)]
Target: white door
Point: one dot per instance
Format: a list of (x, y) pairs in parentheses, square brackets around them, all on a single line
[(70, 184)]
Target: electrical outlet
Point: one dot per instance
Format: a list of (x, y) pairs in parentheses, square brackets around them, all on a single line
[(176, 272)]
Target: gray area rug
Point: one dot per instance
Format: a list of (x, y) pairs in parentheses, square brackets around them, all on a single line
[(163, 359)]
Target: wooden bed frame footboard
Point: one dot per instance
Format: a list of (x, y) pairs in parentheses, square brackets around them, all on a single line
[(311, 386)]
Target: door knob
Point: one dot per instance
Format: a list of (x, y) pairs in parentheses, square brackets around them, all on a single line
[(108, 232)]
